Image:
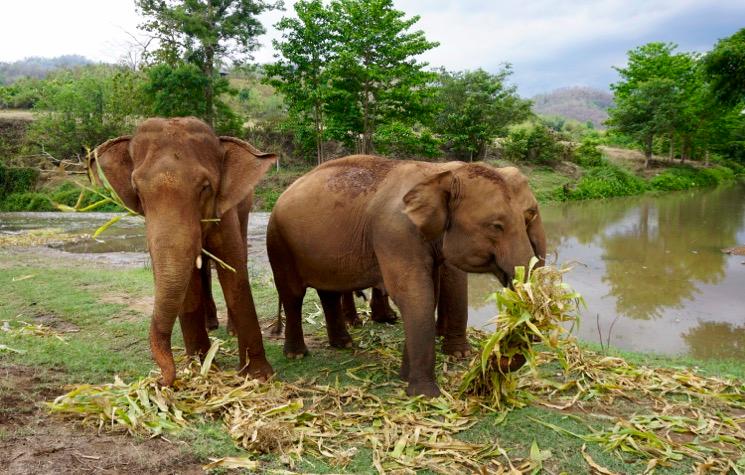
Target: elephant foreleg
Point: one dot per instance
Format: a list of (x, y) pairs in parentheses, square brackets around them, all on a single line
[(452, 311)]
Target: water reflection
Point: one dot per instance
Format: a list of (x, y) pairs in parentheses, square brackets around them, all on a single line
[(716, 340)]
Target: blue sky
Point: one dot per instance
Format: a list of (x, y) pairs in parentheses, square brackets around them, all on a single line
[(549, 43)]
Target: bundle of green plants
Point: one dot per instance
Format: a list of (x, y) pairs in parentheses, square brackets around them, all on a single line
[(536, 310)]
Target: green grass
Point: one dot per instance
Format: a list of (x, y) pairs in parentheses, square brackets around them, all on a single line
[(113, 340)]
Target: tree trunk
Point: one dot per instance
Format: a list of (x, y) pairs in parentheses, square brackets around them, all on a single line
[(318, 132), (671, 155), (648, 151), (366, 120), (209, 90)]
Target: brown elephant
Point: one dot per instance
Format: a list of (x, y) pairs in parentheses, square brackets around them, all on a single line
[(452, 289), (194, 190), (365, 221)]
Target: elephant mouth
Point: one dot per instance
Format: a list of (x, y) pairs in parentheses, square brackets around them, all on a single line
[(502, 276)]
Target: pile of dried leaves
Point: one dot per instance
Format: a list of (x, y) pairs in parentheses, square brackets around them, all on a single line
[(298, 419)]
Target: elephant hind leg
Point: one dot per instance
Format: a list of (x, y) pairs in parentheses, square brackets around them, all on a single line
[(192, 316), (380, 308), (348, 309), (335, 325)]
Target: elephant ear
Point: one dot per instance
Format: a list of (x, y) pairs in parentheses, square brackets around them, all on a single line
[(111, 162), (242, 167), (427, 204)]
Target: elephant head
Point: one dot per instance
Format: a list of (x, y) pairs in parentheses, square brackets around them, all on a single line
[(177, 173), (526, 201), (473, 210)]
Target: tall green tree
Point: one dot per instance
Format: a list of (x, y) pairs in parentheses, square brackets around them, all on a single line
[(652, 97), (204, 33), (301, 71), (376, 76), (725, 67), (475, 107)]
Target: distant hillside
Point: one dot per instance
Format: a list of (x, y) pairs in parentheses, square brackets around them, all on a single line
[(36, 67), (578, 103)]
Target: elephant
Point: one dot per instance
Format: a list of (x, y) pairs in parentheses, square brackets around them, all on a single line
[(364, 221), (194, 190), (452, 308)]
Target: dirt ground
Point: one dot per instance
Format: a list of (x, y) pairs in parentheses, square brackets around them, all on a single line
[(34, 442)]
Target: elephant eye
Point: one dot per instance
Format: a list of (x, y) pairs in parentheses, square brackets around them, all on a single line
[(497, 226)]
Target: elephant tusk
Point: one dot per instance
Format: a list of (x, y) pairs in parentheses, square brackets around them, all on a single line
[(199, 262)]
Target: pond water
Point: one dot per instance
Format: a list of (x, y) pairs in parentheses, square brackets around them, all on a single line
[(650, 268)]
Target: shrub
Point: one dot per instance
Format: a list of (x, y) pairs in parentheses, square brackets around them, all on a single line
[(606, 181), (28, 201), (588, 154), (17, 180), (683, 178), (536, 144), (400, 140)]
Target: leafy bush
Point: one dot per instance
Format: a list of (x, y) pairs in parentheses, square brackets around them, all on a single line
[(45, 200), (81, 109), (587, 154), (17, 180), (400, 140), (28, 201), (606, 181), (683, 178), (535, 144)]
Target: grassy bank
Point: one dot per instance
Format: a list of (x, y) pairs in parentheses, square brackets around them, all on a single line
[(564, 182), (101, 315)]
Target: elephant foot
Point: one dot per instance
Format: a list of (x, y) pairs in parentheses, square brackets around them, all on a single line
[(384, 317), (403, 373), (342, 342), (231, 328), (295, 352), (457, 349), (212, 322), (258, 369), (423, 388)]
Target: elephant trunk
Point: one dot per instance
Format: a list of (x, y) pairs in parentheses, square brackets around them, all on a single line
[(173, 257), (537, 237)]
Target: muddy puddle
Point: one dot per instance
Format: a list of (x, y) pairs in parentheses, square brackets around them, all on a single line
[(651, 268)]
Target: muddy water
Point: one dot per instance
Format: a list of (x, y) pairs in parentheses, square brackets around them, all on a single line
[(650, 268)]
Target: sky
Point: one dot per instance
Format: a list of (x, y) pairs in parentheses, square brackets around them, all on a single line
[(550, 43)]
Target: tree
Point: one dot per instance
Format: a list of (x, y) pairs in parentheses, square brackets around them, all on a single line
[(204, 32), (476, 107), (78, 110), (651, 97), (725, 68), (301, 72), (376, 77)]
